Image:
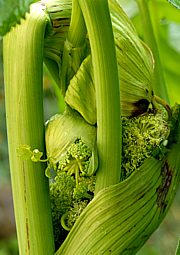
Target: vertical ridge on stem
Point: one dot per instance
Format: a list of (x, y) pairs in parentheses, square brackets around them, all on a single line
[(23, 72), (99, 27)]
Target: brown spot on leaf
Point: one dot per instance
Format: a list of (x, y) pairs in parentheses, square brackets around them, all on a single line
[(27, 223), (141, 106), (163, 189), (59, 22)]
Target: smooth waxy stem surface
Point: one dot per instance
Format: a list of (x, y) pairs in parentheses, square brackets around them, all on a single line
[(107, 91), (23, 71)]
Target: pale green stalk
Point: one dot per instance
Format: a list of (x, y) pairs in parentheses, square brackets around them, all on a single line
[(77, 30), (99, 27), (23, 73), (159, 84), (74, 46), (58, 94), (59, 13)]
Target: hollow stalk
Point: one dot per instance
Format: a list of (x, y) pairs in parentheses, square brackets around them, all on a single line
[(23, 72), (99, 27)]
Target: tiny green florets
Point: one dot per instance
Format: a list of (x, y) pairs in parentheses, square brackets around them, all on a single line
[(68, 199), (77, 159), (72, 188), (79, 150), (141, 136), (74, 212), (61, 195), (85, 188), (61, 191)]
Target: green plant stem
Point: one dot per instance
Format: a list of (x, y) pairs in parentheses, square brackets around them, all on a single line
[(77, 30), (60, 99), (99, 27), (149, 37), (74, 46), (23, 72)]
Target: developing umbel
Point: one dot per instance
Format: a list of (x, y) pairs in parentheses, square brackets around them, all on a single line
[(142, 137), (71, 150), (72, 154)]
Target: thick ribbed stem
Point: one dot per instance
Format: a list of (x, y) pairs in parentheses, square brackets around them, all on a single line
[(77, 30), (99, 27), (23, 72)]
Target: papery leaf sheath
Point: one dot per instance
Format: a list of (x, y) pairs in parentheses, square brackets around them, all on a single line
[(135, 63), (64, 129), (59, 13), (121, 217), (81, 92)]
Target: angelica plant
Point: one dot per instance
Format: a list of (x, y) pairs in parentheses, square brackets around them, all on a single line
[(112, 157)]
